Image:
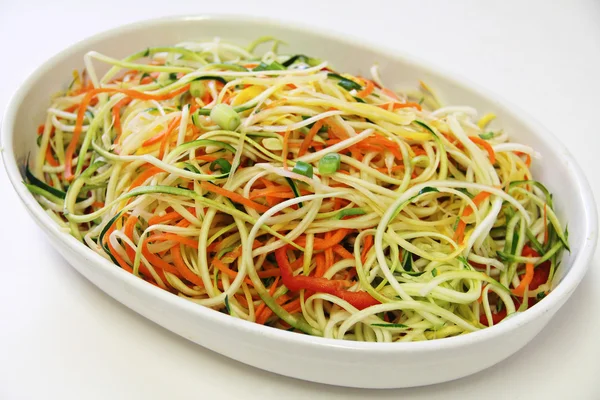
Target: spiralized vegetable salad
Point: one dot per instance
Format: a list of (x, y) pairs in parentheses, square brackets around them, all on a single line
[(279, 190)]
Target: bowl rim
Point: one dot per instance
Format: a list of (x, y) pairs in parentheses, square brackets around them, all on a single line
[(555, 298)]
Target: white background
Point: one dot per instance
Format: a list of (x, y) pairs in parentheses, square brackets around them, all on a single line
[(60, 337)]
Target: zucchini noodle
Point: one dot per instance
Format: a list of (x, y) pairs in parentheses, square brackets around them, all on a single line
[(279, 191)]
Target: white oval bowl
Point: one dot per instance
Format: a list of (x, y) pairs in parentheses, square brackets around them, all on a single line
[(346, 363)]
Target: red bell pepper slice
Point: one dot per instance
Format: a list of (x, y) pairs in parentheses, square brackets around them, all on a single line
[(360, 300)]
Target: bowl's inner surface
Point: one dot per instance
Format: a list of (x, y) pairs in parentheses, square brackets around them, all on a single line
[(553, 169)]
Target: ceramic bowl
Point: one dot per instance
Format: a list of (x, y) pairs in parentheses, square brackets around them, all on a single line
[(337, 362)]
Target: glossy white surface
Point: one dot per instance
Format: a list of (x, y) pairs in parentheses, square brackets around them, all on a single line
[(35, 294)]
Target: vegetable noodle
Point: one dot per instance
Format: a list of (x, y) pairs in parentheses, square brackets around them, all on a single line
[(276, 189)]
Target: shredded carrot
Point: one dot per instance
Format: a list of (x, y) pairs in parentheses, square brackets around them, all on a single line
[(241, 299), (335, 131), (50, 158), (342, 252), (418, 150), (237, 198), (284, 149), (293, 306), (128, 230), (527, 278), (309, 137), (167, 134), (238, 250), (322, 244), (173, 238), (221, 266), (460, 229), (262, 306), (270, 200), (527, 157), (144, 176), (478, 199), (486, 146), (367, 90), (267, 313), (366, 247), (320, 264), (394, 105), (122, 263), (167, 217), (270, 191), (328, 261), (206, 158), (393, 169), (156, 261), (117, 116), (183, 269)]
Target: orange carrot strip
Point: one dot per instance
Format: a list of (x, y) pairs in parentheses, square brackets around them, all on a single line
[(237, 198), (183, 269), (206, 158), (478, 199), (460, 228), (328, 258), (394, 105), (50, 158), (145, 271), (284, 149), (156, 261), (167, 135), (238, 250), (394, 168), (143, 177), (335, 131), (322, 244), (269, 273), (460, 231), (167, 217), (367, 90), (269, 191), (529, 272), (173, 238), (320, 267), (342, 252), (119, 259), (128, 230), (486, 146), (116, 111), (262, 306), (309, 137), (293, 307), (221, 266), (268, 312)]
